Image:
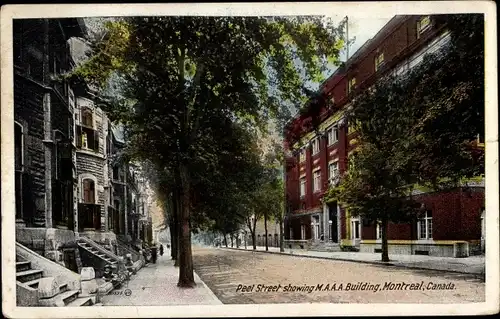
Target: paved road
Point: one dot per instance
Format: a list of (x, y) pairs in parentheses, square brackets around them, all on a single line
[(299, 280)]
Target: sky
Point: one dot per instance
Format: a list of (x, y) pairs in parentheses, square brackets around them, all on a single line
[(363, 29)]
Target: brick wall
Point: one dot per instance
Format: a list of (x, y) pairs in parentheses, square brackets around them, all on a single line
[(456, 215), (397, 40)]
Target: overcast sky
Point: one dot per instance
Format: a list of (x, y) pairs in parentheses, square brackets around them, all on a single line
[(363, 29)]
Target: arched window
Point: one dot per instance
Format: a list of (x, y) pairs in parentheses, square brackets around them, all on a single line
[(88, 191), (87, 117)]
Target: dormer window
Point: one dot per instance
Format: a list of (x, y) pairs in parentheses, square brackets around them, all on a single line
[(423, 24), (379, 60)]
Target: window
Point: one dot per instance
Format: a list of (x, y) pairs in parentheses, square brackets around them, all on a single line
[(316, 227), (115, 173), (315, 146), (333, 170), (355, 228), (19, 147), (422, 25), (87, 117), (85, 142), (351, 85), (302, 232), (425, 226), (317, 181), (333, 134), (87, 138), (379, 60), (302, 155), (88, 191), (379, 230), (302, 187)]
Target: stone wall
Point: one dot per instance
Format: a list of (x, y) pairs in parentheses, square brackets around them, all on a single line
[(28, 112)]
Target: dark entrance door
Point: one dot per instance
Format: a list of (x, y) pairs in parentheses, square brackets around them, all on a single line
[(332, 222)]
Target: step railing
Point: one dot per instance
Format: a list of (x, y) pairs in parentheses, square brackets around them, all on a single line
[(135, 254), (98, 247)]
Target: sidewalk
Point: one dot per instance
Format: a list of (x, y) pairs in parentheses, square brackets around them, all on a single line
[(471, 265), (156, 285)]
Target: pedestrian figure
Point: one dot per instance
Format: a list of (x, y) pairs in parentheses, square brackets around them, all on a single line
[(153, 254), (161, 250)]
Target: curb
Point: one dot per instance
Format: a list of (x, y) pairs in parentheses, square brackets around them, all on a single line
[(210, 292), (478, 275)]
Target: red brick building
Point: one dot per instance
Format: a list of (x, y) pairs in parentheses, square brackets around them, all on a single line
[(453, 222)]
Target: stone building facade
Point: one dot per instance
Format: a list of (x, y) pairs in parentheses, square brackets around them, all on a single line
[(44, 149), (65, 150)]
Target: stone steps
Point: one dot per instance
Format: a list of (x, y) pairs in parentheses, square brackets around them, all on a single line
[(80, 302), (325, 247), (23, 265), (29, 275), (60, 300), (62, 297), (96, 252)]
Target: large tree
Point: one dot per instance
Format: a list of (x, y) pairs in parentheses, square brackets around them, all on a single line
[(184, 81), (418, 129)]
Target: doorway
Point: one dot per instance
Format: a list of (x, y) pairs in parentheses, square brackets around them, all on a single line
[(333, 223)]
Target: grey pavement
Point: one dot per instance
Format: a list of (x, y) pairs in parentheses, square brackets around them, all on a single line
[(156, 285), (469, 265)]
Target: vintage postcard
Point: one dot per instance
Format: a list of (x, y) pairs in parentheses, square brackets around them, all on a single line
[(249, 159)]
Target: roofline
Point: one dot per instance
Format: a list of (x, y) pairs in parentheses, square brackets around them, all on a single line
[(357, 54)]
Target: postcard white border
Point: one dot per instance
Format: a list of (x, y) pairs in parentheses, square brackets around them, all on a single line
[(358, 9)]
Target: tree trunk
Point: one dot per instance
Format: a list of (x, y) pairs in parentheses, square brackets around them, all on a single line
[(173, 248), (225, 240), (254, 244), (253, 234), (385, 250), (265, 231), (232, 240), (282, 235), (186, 276), (176, 229)]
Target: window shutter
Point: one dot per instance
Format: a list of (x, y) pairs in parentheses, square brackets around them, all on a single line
[(96, 141), (78, 136)]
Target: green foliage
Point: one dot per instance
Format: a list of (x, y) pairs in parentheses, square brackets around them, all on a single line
[(179, 85), (191, 92)]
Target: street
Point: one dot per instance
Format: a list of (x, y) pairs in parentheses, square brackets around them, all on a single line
[(234, 276)]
